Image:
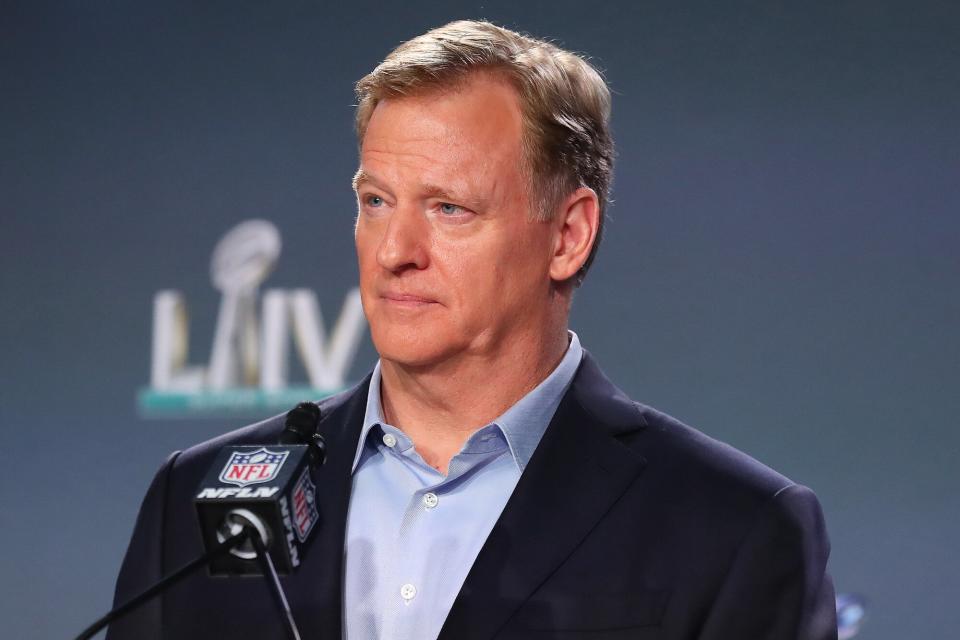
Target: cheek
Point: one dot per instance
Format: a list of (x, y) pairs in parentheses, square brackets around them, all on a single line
[(365, 242), (527, 258), (489, 276)]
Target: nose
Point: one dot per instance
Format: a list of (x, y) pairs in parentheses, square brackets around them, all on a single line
[(404, 243)]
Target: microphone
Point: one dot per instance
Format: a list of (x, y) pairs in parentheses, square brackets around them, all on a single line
[(257, 507), (266, 490)]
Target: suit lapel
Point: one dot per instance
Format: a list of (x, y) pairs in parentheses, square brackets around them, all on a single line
[(574, 477), (321, 574)]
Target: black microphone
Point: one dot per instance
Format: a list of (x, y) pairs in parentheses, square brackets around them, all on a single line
[(267, 490), (257, 508), (300, 427)]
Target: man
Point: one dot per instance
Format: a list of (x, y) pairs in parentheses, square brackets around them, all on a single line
[(487, 480)]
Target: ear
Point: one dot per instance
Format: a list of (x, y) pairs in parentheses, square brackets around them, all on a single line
[(577, 222)]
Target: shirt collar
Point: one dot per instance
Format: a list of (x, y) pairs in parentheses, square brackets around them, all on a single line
[(522, 425)]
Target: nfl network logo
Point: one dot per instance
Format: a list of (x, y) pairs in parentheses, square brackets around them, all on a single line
[(252, 467), (305, 513)]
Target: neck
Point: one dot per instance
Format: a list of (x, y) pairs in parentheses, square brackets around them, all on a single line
[(441, 405)]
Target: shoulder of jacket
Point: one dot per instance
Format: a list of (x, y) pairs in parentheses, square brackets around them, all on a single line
[(264, 432), (704, 463)]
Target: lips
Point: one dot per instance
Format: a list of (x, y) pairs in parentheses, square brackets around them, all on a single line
[(404, 298)]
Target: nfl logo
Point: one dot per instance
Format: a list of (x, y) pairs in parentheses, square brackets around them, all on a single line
[(305, 513), (252, 467)]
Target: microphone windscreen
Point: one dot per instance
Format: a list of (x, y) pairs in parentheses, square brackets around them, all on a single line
[(301, 424)]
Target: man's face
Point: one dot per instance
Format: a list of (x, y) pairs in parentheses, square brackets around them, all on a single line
[(451, 264)]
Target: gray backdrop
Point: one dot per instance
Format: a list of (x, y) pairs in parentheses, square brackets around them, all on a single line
[(781, 268)]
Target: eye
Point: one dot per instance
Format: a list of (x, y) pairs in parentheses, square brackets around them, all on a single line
[(450, 209), (373, 201)]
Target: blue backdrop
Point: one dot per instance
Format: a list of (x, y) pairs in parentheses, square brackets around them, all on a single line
[(781, 268)]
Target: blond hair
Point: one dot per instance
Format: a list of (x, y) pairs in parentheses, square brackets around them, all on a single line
[(564, 100)]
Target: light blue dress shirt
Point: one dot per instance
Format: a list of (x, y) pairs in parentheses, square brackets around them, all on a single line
[(413, 533)]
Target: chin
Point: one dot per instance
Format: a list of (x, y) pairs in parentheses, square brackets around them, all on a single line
[(413, 346)]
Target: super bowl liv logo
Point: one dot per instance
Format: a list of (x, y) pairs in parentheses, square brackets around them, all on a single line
[(248, 368)]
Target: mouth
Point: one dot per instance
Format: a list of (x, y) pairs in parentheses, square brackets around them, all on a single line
[(406, 300)]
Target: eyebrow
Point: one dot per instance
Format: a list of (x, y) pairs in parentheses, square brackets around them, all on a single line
[(476, 204), (361, 177)]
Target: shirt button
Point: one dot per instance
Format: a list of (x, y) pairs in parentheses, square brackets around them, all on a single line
[(430, 500), (407, 592), (390, 440)]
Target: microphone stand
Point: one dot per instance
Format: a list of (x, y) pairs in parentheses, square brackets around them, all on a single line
[(266, 565), (270, 573)]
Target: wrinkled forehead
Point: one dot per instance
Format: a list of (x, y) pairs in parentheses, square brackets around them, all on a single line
[(482, 112), (471, 132)]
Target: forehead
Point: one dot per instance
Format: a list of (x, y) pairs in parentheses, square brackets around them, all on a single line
[(472, 131)]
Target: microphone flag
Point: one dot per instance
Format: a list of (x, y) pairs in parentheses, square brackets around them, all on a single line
[(266, 488)]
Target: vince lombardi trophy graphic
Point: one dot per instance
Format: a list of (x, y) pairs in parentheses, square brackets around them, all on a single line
[(242, 260)]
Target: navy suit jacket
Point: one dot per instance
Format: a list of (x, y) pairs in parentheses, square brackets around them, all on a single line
[(625, 524)]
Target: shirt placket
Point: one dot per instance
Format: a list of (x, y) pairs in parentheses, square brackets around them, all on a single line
[(414, 578), (408, 592)]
